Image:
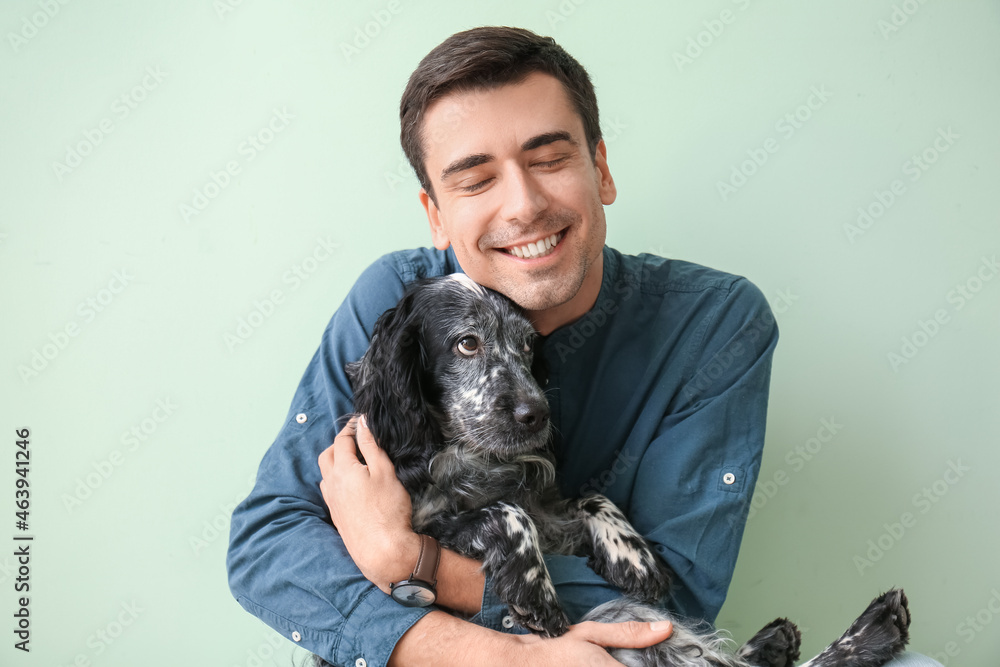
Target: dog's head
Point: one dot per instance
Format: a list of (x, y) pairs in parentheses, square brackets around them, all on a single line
[(451, 363)]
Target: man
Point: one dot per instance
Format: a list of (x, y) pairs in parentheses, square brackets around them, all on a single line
[(659, 373)]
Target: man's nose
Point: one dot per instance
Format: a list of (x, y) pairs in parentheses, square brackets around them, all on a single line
[(523, 197)]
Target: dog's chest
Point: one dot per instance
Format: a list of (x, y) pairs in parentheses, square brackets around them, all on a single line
[(463, 480)]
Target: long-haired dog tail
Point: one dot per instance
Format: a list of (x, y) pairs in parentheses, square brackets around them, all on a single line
[(686, 646)]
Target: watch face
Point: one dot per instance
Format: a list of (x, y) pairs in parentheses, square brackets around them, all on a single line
[(413, 594)]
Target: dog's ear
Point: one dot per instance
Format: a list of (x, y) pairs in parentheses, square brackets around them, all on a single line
[(388, 389)]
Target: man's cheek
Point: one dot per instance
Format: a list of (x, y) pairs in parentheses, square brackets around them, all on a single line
[(563, 184)]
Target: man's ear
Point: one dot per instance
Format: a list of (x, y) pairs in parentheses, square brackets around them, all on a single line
[(438, 235), (606, 184)]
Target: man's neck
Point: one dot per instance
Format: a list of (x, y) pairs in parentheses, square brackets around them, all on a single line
[(548, 320)]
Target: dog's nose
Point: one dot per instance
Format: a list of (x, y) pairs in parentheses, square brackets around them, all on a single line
[(532, 415)]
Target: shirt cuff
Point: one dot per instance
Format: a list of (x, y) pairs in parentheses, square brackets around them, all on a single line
[(373, 628), (580, 589), (494, 613)]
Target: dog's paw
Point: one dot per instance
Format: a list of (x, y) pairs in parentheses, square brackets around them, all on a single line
[(886, 621), (531, 597), (546, 621), (620, 554), (635, 568), (776, 645), (875, 637)]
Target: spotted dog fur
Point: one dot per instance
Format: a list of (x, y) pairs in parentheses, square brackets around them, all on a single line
[(449, 387), (878, 634)]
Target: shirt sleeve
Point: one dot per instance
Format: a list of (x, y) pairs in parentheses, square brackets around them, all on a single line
[(287, 565), (694, 482), (685, 481)]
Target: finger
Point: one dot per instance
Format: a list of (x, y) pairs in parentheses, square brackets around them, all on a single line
[(631, 634), (342, 454), (325, 461), (376, 458)]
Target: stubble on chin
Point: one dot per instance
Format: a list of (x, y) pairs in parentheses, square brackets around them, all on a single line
[(542, 290)]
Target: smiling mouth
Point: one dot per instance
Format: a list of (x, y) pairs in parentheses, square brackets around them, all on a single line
[(537, 249)]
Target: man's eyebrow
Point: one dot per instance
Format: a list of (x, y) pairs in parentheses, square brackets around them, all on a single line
[(467, 162), (470, 161), (545, 139)]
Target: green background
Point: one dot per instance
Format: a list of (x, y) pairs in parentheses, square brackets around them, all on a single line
[(143, 523)]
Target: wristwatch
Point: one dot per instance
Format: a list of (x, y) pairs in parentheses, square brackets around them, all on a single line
[(418, 590)]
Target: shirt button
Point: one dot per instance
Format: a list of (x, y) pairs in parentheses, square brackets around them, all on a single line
[(296, 636), (729, 478), (360, 662), (301, 418), (507, 622)]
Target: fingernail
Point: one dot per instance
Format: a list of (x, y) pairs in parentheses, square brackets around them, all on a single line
[(659, 626), (364, 422)]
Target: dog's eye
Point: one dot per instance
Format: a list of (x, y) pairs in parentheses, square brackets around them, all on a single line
[(468, 346)]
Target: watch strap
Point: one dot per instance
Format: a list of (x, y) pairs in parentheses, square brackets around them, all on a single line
[(427, 561)]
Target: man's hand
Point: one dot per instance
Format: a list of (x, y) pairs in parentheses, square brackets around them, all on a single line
[(439, 639), (369, 506), (585, 643), (371, 510)]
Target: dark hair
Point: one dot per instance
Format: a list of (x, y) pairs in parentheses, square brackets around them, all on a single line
[(485, 58)]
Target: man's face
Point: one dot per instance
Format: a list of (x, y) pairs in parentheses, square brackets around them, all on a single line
[(510, 168)]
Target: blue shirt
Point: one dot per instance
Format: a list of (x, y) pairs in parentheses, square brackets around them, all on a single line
[(658, 394)]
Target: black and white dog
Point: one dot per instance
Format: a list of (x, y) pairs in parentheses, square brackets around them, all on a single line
[(449, 389)]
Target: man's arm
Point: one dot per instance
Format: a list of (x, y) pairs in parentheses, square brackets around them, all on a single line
[(371, 511), (372, 508), (708, 449), (440, 639), (290, 568), (286, 563), (702, 415)]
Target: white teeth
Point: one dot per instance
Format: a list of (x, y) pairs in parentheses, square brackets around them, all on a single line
[(537, 249)]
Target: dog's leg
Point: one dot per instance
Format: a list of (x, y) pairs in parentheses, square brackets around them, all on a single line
[(620, 554), (879, 633), (776, 645), (504, 537)]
